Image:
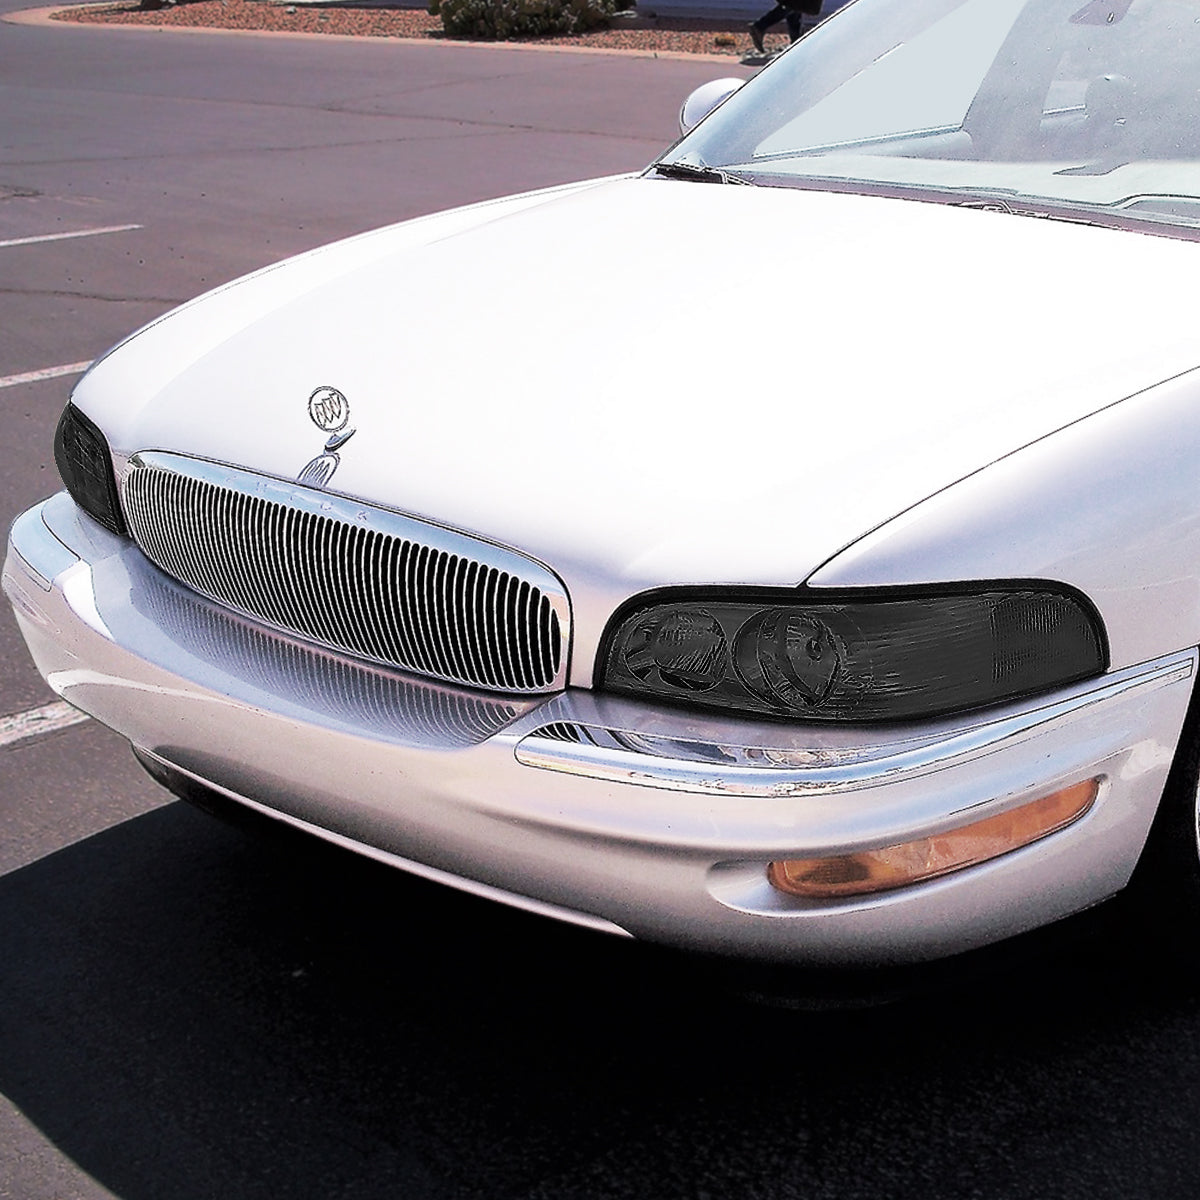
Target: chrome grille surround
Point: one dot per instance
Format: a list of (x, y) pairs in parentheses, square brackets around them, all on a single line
[(351, 576)]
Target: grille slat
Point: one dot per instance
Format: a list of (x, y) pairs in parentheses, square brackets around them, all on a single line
[(474, 633), (418, 564), (364, 580), (435, 565), (486, 609)]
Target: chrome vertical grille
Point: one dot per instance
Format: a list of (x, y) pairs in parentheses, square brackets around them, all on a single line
[(365, 580)]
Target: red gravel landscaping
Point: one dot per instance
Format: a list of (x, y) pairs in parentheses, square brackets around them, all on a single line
[(661, 37)]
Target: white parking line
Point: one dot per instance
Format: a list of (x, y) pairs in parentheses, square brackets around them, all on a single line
[(36, 722), (45, 373), (62, 237)]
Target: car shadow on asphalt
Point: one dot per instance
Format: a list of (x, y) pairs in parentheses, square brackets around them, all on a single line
[(188, 1012)]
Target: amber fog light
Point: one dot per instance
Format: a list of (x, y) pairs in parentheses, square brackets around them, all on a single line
[(926, 858)]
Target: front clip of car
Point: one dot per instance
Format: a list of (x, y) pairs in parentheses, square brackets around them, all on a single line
[(855, 776)]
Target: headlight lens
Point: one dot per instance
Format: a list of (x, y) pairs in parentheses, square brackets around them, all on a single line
[(85, 464), (871, 657)]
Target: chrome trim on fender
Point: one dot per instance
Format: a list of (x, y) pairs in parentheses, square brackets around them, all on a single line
[(680, 764)]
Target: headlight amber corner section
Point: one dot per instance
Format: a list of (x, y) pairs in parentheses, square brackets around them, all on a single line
[(868, 871), (886, 655)]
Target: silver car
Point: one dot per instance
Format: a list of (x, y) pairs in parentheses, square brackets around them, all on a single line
[(845, 613)]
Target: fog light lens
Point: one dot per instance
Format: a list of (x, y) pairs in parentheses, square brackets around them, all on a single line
[(897, 866)]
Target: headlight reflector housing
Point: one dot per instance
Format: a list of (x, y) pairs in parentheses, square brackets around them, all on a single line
[(896, 654)]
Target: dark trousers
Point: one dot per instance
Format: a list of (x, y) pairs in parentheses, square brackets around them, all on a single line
[(789, 13)]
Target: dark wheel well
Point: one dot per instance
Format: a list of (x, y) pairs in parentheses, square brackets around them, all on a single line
[(1167, 877)]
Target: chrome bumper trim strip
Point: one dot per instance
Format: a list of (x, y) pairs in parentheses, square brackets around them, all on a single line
[(679, 764)]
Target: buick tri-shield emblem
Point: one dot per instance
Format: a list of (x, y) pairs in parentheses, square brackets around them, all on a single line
[(330, 412)]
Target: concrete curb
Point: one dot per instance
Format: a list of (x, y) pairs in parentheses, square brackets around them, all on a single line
[(44, 17)]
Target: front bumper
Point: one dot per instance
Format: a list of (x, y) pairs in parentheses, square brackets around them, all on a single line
[(591, 808)]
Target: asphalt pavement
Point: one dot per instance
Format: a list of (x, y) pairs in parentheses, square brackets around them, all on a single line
[(188, 1011)]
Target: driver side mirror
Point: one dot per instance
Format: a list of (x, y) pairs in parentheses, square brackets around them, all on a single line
[(704, 99)]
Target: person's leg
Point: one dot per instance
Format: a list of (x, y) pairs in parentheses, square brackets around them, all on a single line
[(759, 27), (803, 17)]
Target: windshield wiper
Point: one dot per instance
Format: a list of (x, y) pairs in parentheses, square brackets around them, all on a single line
[(698, 173), (1041, 212)]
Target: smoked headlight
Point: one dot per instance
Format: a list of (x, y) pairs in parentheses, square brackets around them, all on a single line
[(85, 464), (880, 656)]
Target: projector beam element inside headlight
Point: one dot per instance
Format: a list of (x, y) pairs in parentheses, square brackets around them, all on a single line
[(897, 866), (83, 460), (883, 656)]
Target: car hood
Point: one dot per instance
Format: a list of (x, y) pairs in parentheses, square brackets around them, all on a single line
[(646, 381)]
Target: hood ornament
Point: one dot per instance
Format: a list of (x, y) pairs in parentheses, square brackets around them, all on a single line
[(330, 412)]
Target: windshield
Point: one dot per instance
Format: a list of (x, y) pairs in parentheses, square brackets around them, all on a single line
[(1081, 108)]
